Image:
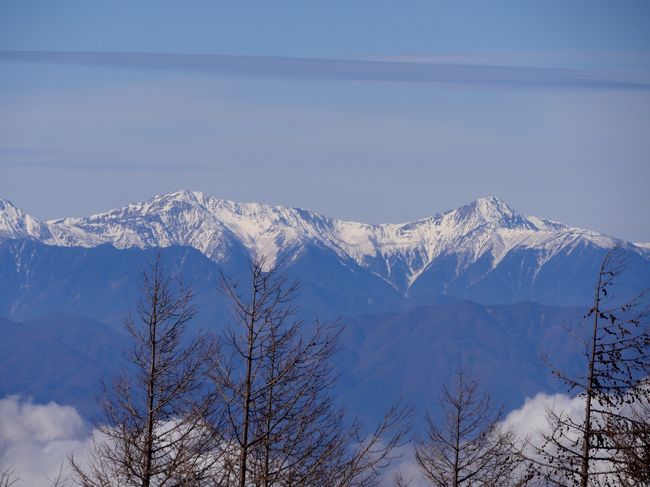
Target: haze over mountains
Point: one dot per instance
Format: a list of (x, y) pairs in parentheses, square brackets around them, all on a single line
[(481, 285)]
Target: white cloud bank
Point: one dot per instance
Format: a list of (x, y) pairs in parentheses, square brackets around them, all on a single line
[(528, 422), (530, 419), (35, 439)]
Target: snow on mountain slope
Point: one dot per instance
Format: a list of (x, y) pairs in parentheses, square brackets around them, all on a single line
[(398, 253), (16, 224), (194, 219)]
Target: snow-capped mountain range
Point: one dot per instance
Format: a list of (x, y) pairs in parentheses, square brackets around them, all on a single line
[(482, 283), (398, 253)]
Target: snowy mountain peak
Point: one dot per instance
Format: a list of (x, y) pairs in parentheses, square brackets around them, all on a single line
[(194, 198), (7, 206), (398, 253), (161, 202), (492, 208), (16, 224), (493, 212)]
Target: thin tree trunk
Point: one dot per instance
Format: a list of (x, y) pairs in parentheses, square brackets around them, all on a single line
[(146, 480), (586, 434), (267, 442), (246, 419), (457, 439), (247, 395)]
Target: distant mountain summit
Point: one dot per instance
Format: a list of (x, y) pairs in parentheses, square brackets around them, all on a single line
[(16, 224), (461, 248), (404, 291)]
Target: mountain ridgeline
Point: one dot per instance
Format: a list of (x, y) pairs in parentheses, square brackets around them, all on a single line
[(481, 285), (484, 252)]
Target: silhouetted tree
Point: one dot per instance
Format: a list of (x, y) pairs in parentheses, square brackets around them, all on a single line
[(157, 430), (629, 433), (469, 446), (589, 450), (276, 385)]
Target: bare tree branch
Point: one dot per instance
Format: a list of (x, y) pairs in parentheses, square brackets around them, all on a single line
[(468, 446), (159, 419), (276, 382), (595, 449)]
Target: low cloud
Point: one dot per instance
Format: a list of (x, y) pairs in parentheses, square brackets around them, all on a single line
[(527, 422), (35, 439), (267, 67), (530, 419)]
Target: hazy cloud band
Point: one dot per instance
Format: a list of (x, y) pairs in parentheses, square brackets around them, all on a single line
[(338, 69)]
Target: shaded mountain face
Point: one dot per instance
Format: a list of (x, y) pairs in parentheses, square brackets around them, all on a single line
[(484, 251), (59, 358), (103, 282), (411, 354), (383, 357)]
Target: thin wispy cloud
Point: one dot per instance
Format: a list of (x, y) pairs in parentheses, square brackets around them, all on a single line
[(339, 69), (106, 166), (38, 158)]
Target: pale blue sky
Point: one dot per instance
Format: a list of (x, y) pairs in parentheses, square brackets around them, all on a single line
[(373, 111)]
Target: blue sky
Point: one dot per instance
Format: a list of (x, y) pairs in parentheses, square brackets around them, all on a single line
[(373, 111)]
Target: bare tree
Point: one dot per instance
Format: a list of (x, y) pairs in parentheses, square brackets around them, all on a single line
[(276, 386), (156, 412), (582, 450), (8, 478), (61, 479), (469, 446), (629, 434), (362, 463)]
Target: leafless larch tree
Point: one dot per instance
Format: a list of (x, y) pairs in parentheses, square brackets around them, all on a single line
[(629, 434), (600, 447), (275, 378), (157, 415), (469, 445)]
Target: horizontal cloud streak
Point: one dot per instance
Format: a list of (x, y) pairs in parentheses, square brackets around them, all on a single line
[(266, 67), (107, 166)]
